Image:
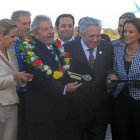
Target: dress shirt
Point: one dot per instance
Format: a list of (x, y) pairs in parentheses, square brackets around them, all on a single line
[(86, 50), (65, 42)]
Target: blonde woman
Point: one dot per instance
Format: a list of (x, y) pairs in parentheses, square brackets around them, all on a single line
[(10, 78)]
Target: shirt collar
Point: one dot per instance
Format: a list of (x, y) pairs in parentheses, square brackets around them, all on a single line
[(50, 47), (85, 47), (64, 42)]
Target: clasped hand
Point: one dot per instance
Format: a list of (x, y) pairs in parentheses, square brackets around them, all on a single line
[(22, 76), (111, 77)]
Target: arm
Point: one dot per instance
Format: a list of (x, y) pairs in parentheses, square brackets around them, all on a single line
[(7, 81)]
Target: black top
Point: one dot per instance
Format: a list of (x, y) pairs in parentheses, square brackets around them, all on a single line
[(127, 65)]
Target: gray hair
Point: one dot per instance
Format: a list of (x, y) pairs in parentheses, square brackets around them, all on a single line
[(36, 22), (16, 14), (87, 21)]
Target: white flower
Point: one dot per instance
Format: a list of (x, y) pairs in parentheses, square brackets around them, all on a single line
[(46, 67), (61, 74), (30, 47), (32, 58), (66, 67), (49, 72), (61, 49), (25, 42)]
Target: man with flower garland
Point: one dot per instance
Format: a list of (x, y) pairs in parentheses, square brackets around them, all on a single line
[(90, 105), (23, 20), (45, 99)]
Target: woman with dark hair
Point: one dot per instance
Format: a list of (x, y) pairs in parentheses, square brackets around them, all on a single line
[(126, 105)]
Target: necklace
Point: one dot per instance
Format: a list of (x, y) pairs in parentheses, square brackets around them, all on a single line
[(129, 55)]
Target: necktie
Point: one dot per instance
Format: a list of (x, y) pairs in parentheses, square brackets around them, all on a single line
[(91, 58)]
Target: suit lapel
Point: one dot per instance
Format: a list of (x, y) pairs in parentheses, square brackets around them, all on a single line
[(45, 55), (81, 54), (12, 61), (100, 56)]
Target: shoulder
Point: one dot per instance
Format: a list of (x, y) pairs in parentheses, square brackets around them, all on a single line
[(72, 43), (116, 43), (107, 46), (119, 51), (119, 48)]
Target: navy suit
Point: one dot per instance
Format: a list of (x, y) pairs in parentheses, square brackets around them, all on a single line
[(45, 105), (91, 101)]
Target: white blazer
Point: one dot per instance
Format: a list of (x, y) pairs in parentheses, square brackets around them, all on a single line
[(8, 94)]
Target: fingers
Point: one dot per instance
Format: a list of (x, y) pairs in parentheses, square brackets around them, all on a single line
[(29, 77), (71, 87), (18, 75), (109, 82), (22, 76)]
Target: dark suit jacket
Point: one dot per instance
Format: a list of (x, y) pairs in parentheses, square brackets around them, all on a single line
[(44, 97), (92, 95)]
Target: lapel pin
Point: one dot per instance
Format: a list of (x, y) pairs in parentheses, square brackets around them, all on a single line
[(100, 52)]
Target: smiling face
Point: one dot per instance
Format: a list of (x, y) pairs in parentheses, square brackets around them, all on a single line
[(65, 28), (45, 33), (9, 39), (120, 26), (23, 24), (92, 36), (131, 34)]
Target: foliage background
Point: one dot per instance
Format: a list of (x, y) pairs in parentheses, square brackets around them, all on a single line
[(113, 34)]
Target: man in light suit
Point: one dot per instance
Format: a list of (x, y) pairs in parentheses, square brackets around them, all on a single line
[(45, 104), (89, 107)]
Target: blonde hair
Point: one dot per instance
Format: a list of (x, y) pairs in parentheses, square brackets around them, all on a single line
[(6, 25)]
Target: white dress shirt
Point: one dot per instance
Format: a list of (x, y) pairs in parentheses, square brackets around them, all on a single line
[(86, 50), (65, 42)]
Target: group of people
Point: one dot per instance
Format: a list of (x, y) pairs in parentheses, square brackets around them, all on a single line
[(99, 81)]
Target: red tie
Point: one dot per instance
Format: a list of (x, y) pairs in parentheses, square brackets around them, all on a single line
[(91, 58)]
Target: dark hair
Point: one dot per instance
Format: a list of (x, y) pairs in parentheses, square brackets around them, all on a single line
[(80, 20), (135, 22), (6, 25), (127, 15), (62, 16), (105, 37)]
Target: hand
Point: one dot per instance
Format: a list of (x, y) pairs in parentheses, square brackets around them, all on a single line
[(29, 77), (110, 77), (18, 75), (72, 87)]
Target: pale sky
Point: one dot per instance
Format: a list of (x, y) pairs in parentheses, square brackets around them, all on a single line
[(108, 11)]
